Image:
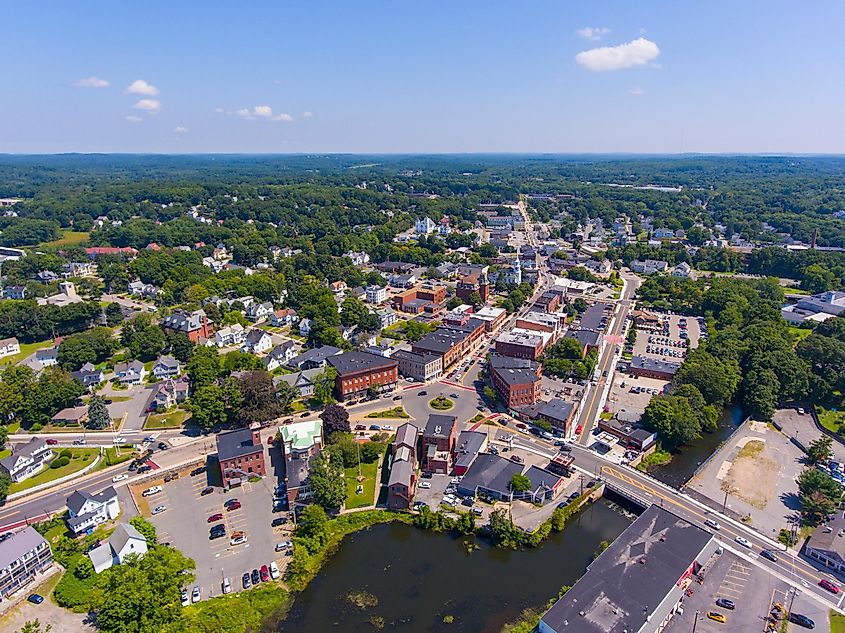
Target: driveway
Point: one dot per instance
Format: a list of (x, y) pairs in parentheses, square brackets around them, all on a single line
[(133, 408)]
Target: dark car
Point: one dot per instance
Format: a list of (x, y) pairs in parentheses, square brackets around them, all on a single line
[(278, 521), (198, 471), (234, 506), (534, 431), (360, 427), (802, 620), (563, 448), (422, 393), (215, 517), (769, 555), (573, 496), (144, 469), (426, 475), (133, 467), (246, 581), (162, 446), (256, 577), (35, 598), (516, 459), (726, 604), (229, 502), (52, 442), (375, 427), (207, 491)]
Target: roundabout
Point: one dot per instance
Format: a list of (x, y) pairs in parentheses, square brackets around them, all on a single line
[(441, 403)]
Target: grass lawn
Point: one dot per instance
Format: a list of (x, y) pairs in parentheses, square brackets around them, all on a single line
[(800, 333), (171, 420), (14, 427), (26, 350), (80, 459), (441, 403), (111, 458), (478, 417), (369, 471), (837, 623), (830, 419), (68, 238), (297, 405), (5, 453), (395, 412)]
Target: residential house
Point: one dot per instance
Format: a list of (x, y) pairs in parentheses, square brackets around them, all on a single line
[(682, 270), (81, 269), (424, 226), (649, 266), (89, 375), (281, 318), (48, 356), (386, 317), (302, 381), (131, 373), (403, 281), (315, 358), (338, 287), (26, 459), (376, 294), (71, 416), (14, 292), (23, 556), (358, 258), (167, 367), (47, 276), (259, 311), (87, 511), (9, 347), (194, 324), (169, 393), (125, 540), (240, 455), (301, 442), (305, 327), (257, 341), (280, 355), (229, 335)]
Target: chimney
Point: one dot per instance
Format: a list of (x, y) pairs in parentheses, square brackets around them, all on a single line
[(256, 433)]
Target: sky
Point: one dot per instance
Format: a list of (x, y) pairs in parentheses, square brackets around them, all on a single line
[(429, 76)]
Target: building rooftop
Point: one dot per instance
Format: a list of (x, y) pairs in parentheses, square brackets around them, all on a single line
[(587, 338), (16, 546), (468, 446), (556, 409), (439, 425), (301, 436), (515, 371), (521, 337), (316, 355), (403, 354), (652, 364), (630, 579), (830, 538), (406, 434), (236, 444), (351, 362), (491, 472)]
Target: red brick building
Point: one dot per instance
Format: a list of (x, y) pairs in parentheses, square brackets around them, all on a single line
[(194, 324), (451, 343), (473, 282), (517, 380), (438, 444), (357, 372), (241, 455)]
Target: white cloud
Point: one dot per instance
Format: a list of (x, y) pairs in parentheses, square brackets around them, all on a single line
[(307, 114), (637, 92), (263, 112), (134, 119), (181, 130), (635, 53), (141, 87), (148, 105), (219, 110), (91, 82), (593, 32)]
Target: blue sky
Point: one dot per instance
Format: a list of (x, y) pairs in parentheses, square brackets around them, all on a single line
[(467, 76)]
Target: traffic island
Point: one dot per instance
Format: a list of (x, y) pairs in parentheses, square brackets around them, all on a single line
[(441, 403)]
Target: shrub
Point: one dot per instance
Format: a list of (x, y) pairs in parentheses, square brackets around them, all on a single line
[(66, 453), (59, 462), (36, 427)]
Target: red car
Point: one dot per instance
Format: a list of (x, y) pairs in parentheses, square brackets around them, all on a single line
[(215, 517), (52, 442), (233, 506), (578, 430), (265, 573), (826, 584)]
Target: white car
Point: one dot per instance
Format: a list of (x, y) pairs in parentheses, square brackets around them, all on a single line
[(425, 485), (159, 509), (119, 440), (185, 600), (240, 538), (274, 570), (712, 524), (743, 541), (386, 427), (227, 586), (117, 478), (195, 595), (151, 491), (284, 545)]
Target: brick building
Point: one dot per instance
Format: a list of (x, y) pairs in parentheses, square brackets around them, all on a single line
[(474, 282), (451, 343), (241, 455), (438, 443), (357, 372), (522, 343), (194, 324), (517, 380)]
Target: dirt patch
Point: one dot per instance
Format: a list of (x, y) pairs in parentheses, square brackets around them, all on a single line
[(753, 475)]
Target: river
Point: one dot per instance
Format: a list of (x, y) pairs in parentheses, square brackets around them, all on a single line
[(419, 578), (687, 459)]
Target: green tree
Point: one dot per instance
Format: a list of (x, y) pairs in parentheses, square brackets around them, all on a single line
[(98, 414), (147, 529), (114, 315), (208, 407), (93, 346), (819, 494), (820, 450), (490, 394), (34, 626), (466, 523), (180, 346), (324, 386), (287, 395), (673, 419), (335, 420), (520, 483), (327, 481), (5, 482), (313, 525), (259, 402), (203, 367)]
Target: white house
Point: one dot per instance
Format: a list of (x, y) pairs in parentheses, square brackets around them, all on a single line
[(424, 226), (649, 266), (229, 335), (257, 341), (26, 460), (9, 346), (259, 311), (87, 511), (387, 317), (305, 327), (280, 355), (48, 356), (376, 294), (131, 373), (125, 540), (682, 270), (358, 259), (281, 318), (166, 367)]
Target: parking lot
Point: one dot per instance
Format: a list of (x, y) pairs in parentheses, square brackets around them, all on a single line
[(630, 395), (754, 592), (669, 344), (185, 525)]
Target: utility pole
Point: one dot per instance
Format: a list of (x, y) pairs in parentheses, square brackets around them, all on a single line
[(695, 622)]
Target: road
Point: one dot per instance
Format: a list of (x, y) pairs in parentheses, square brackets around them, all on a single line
[(591, 402)]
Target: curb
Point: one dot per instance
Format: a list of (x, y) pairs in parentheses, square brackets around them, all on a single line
[(55, 482)]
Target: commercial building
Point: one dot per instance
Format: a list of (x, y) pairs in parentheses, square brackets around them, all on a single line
[(474, 282), (451, 343), (490, 476), (301, 442), (636, 584), (402, 483), (589, 339), (521, 343), (23, 556), (193, 324), (492, 317), (469, 445), (241, 455), (557, 412), (422, 367), (517, 380), (827, 544), (358, 372), (653, 368), (540, 322), (547, 302), (438, 443), (87, 511), (631, 435)]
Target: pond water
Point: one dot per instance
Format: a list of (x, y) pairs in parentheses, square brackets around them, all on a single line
[(419, 578), (688, 458)]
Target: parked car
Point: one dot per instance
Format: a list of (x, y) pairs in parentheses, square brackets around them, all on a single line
[(227, 586), (278, 521), (245, 581), (195, 595), (386, 427), (274, 570), (265, 573), (802, 620), (360, 427), (35, 598), (233, 506), (717, 617), (151, 491), (375, 427), (207, 491), (185, 599), (726, 604), (159, 509), (215, 517), (516, 459), (283, 545), (51, 441), (256, 577), (238, 538), (824, 583), (425, 484)]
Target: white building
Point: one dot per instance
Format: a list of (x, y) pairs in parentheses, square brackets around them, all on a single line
[(87, 511), (358, 259), (376, 294), (9, 347), (229, 335), (166, 367), (305, 327), (132, 373), (424, 226), (257, 341), (682, 270), (26, 460), (125, 540)]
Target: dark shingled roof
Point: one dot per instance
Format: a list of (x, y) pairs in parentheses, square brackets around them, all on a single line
[(489, 472), (351, 362), (587, 338), (439, 425), (631, 578), (514, 371)]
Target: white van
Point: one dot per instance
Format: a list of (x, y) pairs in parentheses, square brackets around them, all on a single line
[(151, 491)]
